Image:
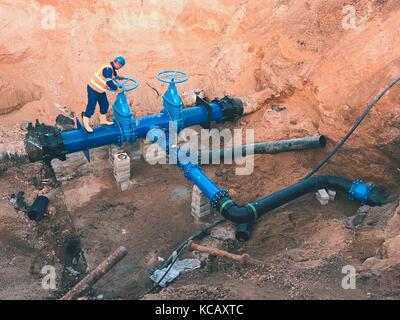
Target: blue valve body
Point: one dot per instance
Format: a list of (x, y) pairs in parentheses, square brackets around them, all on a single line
[(123, 120)]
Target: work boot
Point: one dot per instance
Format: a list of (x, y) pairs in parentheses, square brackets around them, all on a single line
[(103, 120), (86, 123)]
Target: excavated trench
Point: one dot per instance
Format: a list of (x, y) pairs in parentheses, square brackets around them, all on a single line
[(303, 244), (296, 80)]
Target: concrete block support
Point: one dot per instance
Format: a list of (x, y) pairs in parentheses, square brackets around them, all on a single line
[(322, 196), (332, 195), (200, 204), (122, 170), (113, 150)]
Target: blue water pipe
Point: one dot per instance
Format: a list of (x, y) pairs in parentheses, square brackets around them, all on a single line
[(46, 143), (128, 129), (221, 201)]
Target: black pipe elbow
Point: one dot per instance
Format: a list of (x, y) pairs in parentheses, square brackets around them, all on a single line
[(250, 212), (237, 214)]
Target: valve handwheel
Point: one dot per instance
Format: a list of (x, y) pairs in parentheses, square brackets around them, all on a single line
[(126, 84), (172, 76)]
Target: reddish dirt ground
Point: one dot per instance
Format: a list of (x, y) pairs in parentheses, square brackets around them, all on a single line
[(303, 245), (290, 53)]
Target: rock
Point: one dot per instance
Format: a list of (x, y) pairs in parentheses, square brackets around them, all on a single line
[(224, 233), (14, 98), (232, 192), (52, 211), (392, 247), (72, 271), (364, 209), (278, 108), (24, 125), (356, 220), (374, 263), (65, 123)]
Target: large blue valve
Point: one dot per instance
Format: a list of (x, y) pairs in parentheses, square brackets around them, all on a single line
[(122, 113), (172, 103)]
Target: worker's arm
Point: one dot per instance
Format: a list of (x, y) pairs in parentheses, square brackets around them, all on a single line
[(107, 73)]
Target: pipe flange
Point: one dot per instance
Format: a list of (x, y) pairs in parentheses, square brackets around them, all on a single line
[(360, 191), (217, 197)]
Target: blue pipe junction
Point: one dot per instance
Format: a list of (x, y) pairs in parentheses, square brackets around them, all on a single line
[(46, 143)]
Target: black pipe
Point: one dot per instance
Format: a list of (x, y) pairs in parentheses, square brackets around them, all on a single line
[(253, 210), (268, 147), (243, 231), (38, 208)]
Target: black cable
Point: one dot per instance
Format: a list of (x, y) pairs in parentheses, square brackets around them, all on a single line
[(353, 128)]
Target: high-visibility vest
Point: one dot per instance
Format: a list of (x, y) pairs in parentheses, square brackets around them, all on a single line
[(99, 82)]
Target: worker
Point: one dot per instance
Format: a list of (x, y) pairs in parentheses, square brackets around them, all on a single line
[(101, 81)]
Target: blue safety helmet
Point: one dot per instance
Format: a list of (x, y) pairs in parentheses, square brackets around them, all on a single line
[(120, 60)]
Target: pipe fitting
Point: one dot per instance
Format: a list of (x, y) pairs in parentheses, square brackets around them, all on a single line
[(237, 214), (231, 108), (360, 191), (218, 198), (250, 212), (43, 142)]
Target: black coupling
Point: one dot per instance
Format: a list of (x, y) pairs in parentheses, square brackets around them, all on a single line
[(44, 143), (232, 108)]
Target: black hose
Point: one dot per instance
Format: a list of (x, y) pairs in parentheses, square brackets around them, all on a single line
[(353, 128), (250, 212)]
